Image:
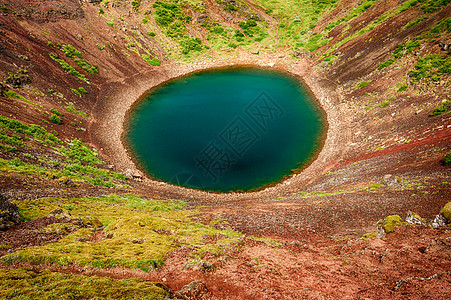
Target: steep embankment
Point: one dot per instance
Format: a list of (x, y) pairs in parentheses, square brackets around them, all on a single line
[(71, 70)]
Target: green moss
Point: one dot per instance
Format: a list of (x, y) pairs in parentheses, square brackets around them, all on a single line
[(141, 233), (391, 222), (446, 212), (29, 284)]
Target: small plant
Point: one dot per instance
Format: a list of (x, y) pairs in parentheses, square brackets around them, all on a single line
[(151, 33), (154, 61), (448, 159), (101, 12), (386, 64), (441, 109), (75, 91), (55, 119), (56, 112), (402, 88), (363, 84), (82, 89)]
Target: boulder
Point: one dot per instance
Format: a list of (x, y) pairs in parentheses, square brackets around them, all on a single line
[(192, 291), (446, 212), (414, 218), (439, 221), (9, 215)]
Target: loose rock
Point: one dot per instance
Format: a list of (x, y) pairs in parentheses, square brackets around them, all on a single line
[(192, 291)]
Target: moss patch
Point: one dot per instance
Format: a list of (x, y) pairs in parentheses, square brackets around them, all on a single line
[(391, 222), (139, 233), (29, 284), (446, 212)]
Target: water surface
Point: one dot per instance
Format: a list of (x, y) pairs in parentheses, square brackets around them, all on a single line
[(225, 129)]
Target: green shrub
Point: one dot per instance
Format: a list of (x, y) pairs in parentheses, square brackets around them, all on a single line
[(75, 91), (79, 152), (441, 109), (363, 84), (386, 64), (190, 44), (55, 119), (32, 130), (101, 12), (154, 61), (151, 33), (70, 51), (82, 89), (434, 5), (402, 88), (56, 112), (448, 159), (398, 52)]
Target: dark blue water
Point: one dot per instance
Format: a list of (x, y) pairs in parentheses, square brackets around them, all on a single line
[(225, 130)]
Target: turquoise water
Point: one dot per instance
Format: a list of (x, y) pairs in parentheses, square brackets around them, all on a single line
[(225, 129)]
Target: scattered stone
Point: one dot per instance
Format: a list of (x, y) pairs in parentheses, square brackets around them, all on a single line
[(198, 265), (94, 1), (9, 215), (324, 64), (61, 214), (297, 54), (192, 291), (439, 221), (133, 175), (391, 222), (79, 37), (255, 51), (414, 218), (82, 240), (391, 180), (137, 241)]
